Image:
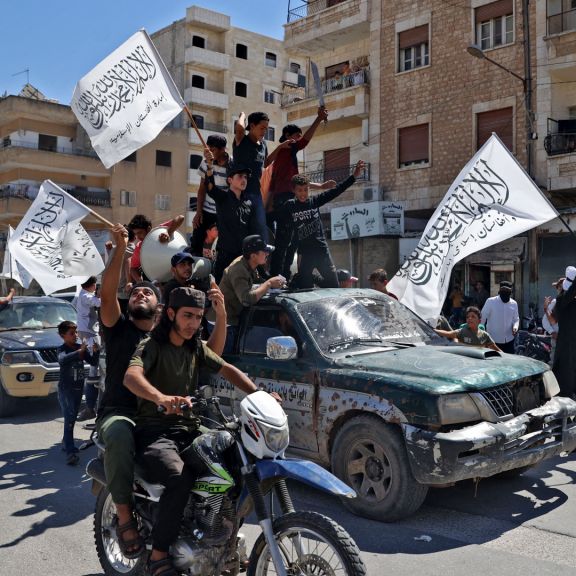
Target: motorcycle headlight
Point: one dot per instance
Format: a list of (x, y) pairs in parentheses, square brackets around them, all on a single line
[(19, 358), (277, 439), (456, 408)]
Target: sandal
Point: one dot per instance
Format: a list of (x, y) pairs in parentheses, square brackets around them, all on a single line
[(155, 568), (133, 547)]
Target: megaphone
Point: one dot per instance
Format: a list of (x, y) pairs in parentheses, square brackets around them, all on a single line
[(155, 256)]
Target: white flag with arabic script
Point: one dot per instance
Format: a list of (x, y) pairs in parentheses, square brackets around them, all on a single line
[(491, 200), (126, 100), (51, 243), (12, 269)]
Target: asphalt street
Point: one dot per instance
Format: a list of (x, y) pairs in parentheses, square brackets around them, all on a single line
[(510, 527)]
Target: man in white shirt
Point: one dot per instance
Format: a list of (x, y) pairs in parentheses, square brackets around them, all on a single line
[(500, 318), (88, 327)]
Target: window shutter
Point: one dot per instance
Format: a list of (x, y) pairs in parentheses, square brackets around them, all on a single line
[(499, 121), (413, 37), (336, 164), (494, 10), (413, 144)]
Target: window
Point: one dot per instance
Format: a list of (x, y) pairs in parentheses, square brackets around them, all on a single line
[(130, 157), (241, 89), (295, 67), (195, 161), (199, 121), (270, 135), (163, 158), (264, 324), (413, 145), (162, 202), (127, 198), (47, 142), (495, 24), (413, 48), (269, 96), (336, 164), (500, 121), (561, 15), (242, 51), (198, 41), (270, 59), (198, 81)]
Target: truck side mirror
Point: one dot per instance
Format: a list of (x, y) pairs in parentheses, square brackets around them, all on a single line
[(281, 348)]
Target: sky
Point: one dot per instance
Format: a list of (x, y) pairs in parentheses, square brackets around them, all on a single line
[(59, 41)]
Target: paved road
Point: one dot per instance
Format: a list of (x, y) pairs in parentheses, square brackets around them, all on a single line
[(500, 527)]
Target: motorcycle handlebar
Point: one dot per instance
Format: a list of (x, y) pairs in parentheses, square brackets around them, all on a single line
[(198, 404)]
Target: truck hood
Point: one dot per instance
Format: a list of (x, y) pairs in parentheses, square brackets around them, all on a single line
[(33, 338), (441, 369)]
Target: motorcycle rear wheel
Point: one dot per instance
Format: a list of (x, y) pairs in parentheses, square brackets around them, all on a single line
[(111, 559), (326, 549)]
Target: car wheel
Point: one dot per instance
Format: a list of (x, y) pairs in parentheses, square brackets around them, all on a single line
[(370, 456), (7, 403)]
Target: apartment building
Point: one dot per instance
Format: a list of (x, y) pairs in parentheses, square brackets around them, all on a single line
[(342, 38), (555, 158), (221, 71)]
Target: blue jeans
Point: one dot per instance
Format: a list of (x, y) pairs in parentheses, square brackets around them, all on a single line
[(258, 218), (69, 398)]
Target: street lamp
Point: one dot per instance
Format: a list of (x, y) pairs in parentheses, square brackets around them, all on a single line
[(477, 52)]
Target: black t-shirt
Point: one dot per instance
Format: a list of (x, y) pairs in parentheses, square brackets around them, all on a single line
[(251, 155), (305, 216), (121, 340), (234, 218)]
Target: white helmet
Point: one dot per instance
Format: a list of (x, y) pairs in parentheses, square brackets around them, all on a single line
[(264, 426)]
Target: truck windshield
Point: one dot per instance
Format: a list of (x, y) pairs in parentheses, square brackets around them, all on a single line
[(337, 323)]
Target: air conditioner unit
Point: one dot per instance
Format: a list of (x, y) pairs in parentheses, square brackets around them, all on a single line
[(371, 194)]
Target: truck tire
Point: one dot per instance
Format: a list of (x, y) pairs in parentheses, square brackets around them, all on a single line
[(7, 403), (370, 456)]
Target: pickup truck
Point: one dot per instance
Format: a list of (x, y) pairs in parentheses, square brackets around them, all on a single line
[(372, 392)]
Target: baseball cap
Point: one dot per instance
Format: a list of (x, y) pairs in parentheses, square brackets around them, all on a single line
[(505, 284), (181, 257), (344, 275), (253, 244), (239, 169), (216, 141), (570, 275)]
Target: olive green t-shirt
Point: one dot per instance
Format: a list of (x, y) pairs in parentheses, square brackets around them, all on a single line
[(174, 371), (481, 338)]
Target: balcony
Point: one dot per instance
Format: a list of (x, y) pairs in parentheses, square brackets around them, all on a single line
[(207, 98), (207, 19), (561, 22), (338, 173), (206, 130), (9, 143), (345, 97), (561, 137), (207, 59), (322, 25)]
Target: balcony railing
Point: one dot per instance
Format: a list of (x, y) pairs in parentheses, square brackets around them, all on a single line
[(561, 137), (562, 22), (310, 8), (9, 143), (339, 173), (212, 127), (101, 198), (292, 94)]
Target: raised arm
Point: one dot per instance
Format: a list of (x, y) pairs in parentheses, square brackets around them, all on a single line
[(109, 305), (322, 116), (239, 128)]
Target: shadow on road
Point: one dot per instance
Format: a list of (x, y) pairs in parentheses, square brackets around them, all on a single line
[(34, 410), (63, 500)]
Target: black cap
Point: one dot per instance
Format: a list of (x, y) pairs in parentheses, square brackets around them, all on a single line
[(254, 243), (216, 141), (239, 169), (186, 297), (289, 130), (180, 257), (505, 284)]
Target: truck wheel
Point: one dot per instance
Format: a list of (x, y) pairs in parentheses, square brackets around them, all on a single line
[(370, 456), (7, 403)]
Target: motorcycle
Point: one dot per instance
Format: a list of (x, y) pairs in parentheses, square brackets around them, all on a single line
[(536, 346), (245, 468)]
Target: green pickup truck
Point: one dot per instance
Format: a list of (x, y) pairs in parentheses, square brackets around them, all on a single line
[(372, 392)]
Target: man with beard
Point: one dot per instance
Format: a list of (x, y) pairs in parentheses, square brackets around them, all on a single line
[(164, 372), (500, 318), (115, 421)]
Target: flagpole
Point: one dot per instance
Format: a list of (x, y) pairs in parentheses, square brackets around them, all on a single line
[(98, 217), (194, 125)]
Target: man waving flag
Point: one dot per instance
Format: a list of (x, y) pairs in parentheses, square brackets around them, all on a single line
[(126, 100), (51, 244), (491, 200)]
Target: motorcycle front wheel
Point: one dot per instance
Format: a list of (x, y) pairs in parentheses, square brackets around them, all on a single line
[(311, 545), (112, 560)]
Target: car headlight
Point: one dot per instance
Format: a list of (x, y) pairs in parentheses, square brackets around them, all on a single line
[(551, 386), (457, 408), (277, 439), (19, 358)]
